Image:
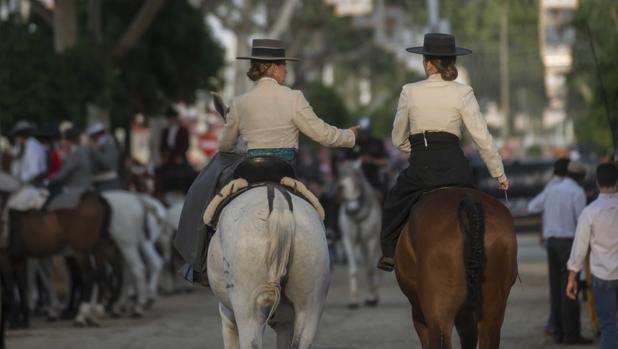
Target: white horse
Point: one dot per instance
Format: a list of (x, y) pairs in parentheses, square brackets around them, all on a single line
[(360, 217), (131, 218), (171, 222), (269, 267)]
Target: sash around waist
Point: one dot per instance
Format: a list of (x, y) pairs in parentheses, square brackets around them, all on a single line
[(428, 141), (288, 154)]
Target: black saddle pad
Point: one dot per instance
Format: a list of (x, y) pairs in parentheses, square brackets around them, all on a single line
[(264, 169)]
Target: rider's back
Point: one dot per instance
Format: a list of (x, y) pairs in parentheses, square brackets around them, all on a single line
[(270, 115)]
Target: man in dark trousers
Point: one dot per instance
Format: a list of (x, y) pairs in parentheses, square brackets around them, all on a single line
[(175, 173), (562, 205), (174, 140)]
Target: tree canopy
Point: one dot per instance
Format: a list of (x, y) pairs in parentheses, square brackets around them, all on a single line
[(175, 56)]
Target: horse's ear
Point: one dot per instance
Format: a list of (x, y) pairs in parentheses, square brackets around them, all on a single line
[(220, 106)]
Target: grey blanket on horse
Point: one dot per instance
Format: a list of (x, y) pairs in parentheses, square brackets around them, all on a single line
[(191, 229)]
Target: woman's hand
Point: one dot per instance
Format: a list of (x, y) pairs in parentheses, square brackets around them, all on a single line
[(354, 130), (504, 185)]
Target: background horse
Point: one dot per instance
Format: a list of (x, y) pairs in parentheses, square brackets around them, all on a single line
[(456, 261), (38, 234), (136, 222), (269, 266), (360, 217)]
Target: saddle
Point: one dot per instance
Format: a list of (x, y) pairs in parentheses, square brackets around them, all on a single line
[(259, 171)]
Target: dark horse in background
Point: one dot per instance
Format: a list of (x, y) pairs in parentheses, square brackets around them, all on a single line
[(456, 261), (75, 232)]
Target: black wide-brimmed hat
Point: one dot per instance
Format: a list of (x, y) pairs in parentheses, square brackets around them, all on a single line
[(268, 50), (436, 44)]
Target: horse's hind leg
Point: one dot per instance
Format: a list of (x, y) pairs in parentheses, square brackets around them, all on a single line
[(370, 252), (283, 324), (465, 322), (494, 306), (352, 266), (230, 331), (421, 328)]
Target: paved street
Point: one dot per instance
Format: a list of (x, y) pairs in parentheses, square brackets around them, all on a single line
[(192, 321)]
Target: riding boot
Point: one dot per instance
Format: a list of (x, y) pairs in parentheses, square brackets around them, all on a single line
[(386, 264), (200, 269)]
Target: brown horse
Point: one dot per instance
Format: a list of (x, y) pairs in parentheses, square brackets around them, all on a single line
[(37, 234), (456, 261)]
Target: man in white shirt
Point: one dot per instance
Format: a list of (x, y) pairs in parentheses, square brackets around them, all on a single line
[(33, 164), (560, 170), (561, 206), (596, 229)]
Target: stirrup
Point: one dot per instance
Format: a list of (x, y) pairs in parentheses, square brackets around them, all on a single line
[(386, 264)]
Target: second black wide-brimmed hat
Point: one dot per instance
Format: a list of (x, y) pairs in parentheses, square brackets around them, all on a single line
[(268, 50), (437, 44)]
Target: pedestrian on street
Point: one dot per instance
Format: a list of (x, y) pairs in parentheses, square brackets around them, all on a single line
[(596, 229), (561, 206), (560, 170)]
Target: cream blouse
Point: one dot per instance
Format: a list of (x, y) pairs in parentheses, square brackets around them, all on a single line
[(271, 116), (438, 105)]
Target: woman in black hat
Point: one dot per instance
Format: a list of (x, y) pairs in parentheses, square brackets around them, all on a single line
[(427, 125), (266, 120)]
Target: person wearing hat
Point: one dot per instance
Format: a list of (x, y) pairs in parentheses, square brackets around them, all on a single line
[(596, 231), (75, 176), (561, 206), (268, 118), (33, 164), (104, 158), (427, 125), (372, 154)]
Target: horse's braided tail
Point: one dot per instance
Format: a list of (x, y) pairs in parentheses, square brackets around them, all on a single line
[(281, 227), (472, 223)]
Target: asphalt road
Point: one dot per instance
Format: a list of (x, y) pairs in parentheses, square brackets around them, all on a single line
[(191, 320)]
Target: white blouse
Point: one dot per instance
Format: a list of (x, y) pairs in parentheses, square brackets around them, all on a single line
[(436, 105)]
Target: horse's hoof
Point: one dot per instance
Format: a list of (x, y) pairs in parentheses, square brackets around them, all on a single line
[(80, 322), (353, 306), (149, 303), (371, 302), (92, 323), (138, 312)]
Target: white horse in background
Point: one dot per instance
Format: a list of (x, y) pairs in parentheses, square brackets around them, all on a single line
[(269, 267), (130, 220), (156, 230), (360, 218), (171, 222)]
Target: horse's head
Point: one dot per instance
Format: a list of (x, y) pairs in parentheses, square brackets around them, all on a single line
[(350, 183)]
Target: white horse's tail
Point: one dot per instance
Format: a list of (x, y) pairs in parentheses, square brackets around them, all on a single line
[(281, 227)]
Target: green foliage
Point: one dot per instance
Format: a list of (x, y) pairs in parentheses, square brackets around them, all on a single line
[(327, 104), (476, 24), (175, 57), (585, 103)]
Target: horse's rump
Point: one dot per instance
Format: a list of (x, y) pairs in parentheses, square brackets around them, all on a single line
[(453, 233), (43, 233)]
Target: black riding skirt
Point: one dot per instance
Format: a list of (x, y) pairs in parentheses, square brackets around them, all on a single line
[(436, 161)]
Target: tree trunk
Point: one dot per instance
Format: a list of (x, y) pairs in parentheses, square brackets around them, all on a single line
[(243, 31), (65, 25), (138, 27), (95, 20)]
